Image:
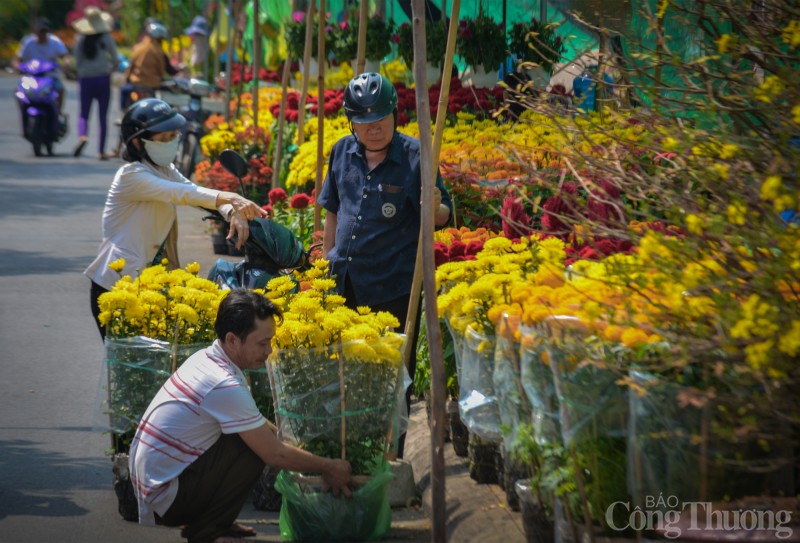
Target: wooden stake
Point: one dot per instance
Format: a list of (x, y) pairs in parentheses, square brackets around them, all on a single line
[(301, 113), (361, 54), (217, 52), (256, 62), (320, 115), (229, 60), (429, 167), (278, 149)]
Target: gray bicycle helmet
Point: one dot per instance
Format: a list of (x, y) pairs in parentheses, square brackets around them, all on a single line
[(149, 116), (369, 97)]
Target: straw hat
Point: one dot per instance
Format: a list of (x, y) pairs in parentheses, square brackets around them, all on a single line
[(94, 21)]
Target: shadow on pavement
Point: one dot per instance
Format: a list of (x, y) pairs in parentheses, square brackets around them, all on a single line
[(36, 482), (13, 263)]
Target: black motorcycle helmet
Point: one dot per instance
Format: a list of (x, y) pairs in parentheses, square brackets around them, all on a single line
[(369, 97), (147, 117)]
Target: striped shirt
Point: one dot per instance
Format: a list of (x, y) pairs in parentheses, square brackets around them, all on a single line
[(207, 397)]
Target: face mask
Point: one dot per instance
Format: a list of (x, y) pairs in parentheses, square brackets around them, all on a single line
[(162, 153)]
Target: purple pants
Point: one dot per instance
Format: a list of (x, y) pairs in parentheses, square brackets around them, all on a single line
[(94, 88)]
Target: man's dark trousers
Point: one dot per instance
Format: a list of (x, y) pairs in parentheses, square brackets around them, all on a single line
[(213, 489)]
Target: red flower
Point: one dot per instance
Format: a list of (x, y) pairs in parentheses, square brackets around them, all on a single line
[(277, 195), (474, 247), (515, 221), (300, 201), (268, 209), (440, 253), (457, 248)]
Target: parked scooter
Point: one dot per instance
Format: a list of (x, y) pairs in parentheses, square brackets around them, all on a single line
[(189, 149), (38, 101), (271, 249)]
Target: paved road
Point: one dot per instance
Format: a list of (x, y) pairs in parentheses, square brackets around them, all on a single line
[(55, 480)]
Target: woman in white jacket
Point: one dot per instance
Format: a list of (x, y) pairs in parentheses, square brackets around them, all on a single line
[(139, 218)]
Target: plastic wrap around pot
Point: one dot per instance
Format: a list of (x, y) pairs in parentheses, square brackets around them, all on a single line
[(513, 404), (537, 382), (308, 515), (261, 389), (323, 392), (707, 447), (477, 400), (132, 373)]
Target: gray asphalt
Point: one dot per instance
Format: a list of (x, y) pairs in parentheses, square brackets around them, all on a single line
[(55, 479)]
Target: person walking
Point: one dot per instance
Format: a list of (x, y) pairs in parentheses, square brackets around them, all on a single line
[(139, 218), (372, 200), (95, 60), (202, 443)]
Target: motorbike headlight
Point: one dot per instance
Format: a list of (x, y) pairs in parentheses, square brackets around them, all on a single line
[(198, 87)]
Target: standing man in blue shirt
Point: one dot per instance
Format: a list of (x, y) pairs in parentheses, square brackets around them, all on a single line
[(372, 199)]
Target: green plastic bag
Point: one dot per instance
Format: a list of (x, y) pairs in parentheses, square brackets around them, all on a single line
[(317, 516)]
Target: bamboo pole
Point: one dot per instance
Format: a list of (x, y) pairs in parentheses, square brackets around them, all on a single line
[(320, 115), (429, 168), (441, 115), (278, 150), (229, 60), (301, 108), (361, 54), (256, 61), (217, 52)]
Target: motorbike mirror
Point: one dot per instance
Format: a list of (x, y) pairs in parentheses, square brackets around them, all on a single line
[(234, 163)]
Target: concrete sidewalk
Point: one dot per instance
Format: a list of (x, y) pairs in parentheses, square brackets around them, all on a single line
[(475, 512)]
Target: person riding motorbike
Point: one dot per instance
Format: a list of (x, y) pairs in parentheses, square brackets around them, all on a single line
[(139, 218), (149, 64), (43, 45)]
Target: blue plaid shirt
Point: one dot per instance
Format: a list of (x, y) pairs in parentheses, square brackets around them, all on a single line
[(378, 218)]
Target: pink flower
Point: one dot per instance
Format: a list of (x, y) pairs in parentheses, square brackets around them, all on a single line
[(298, 16), (277, 195)]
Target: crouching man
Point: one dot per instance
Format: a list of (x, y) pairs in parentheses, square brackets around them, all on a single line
[(202, 443)]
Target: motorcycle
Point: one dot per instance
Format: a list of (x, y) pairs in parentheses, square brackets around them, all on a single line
[(36, 94), (189, 148), (271, 249)]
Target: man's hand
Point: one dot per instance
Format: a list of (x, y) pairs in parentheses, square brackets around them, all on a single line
[(338, 478)]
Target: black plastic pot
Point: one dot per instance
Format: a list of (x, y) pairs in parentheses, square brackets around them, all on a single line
[(538, 528), (483, 461), (459, 434), (265, 497)]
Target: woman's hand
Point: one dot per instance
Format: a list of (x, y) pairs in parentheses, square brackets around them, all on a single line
[(239, 228), (246, 209)]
